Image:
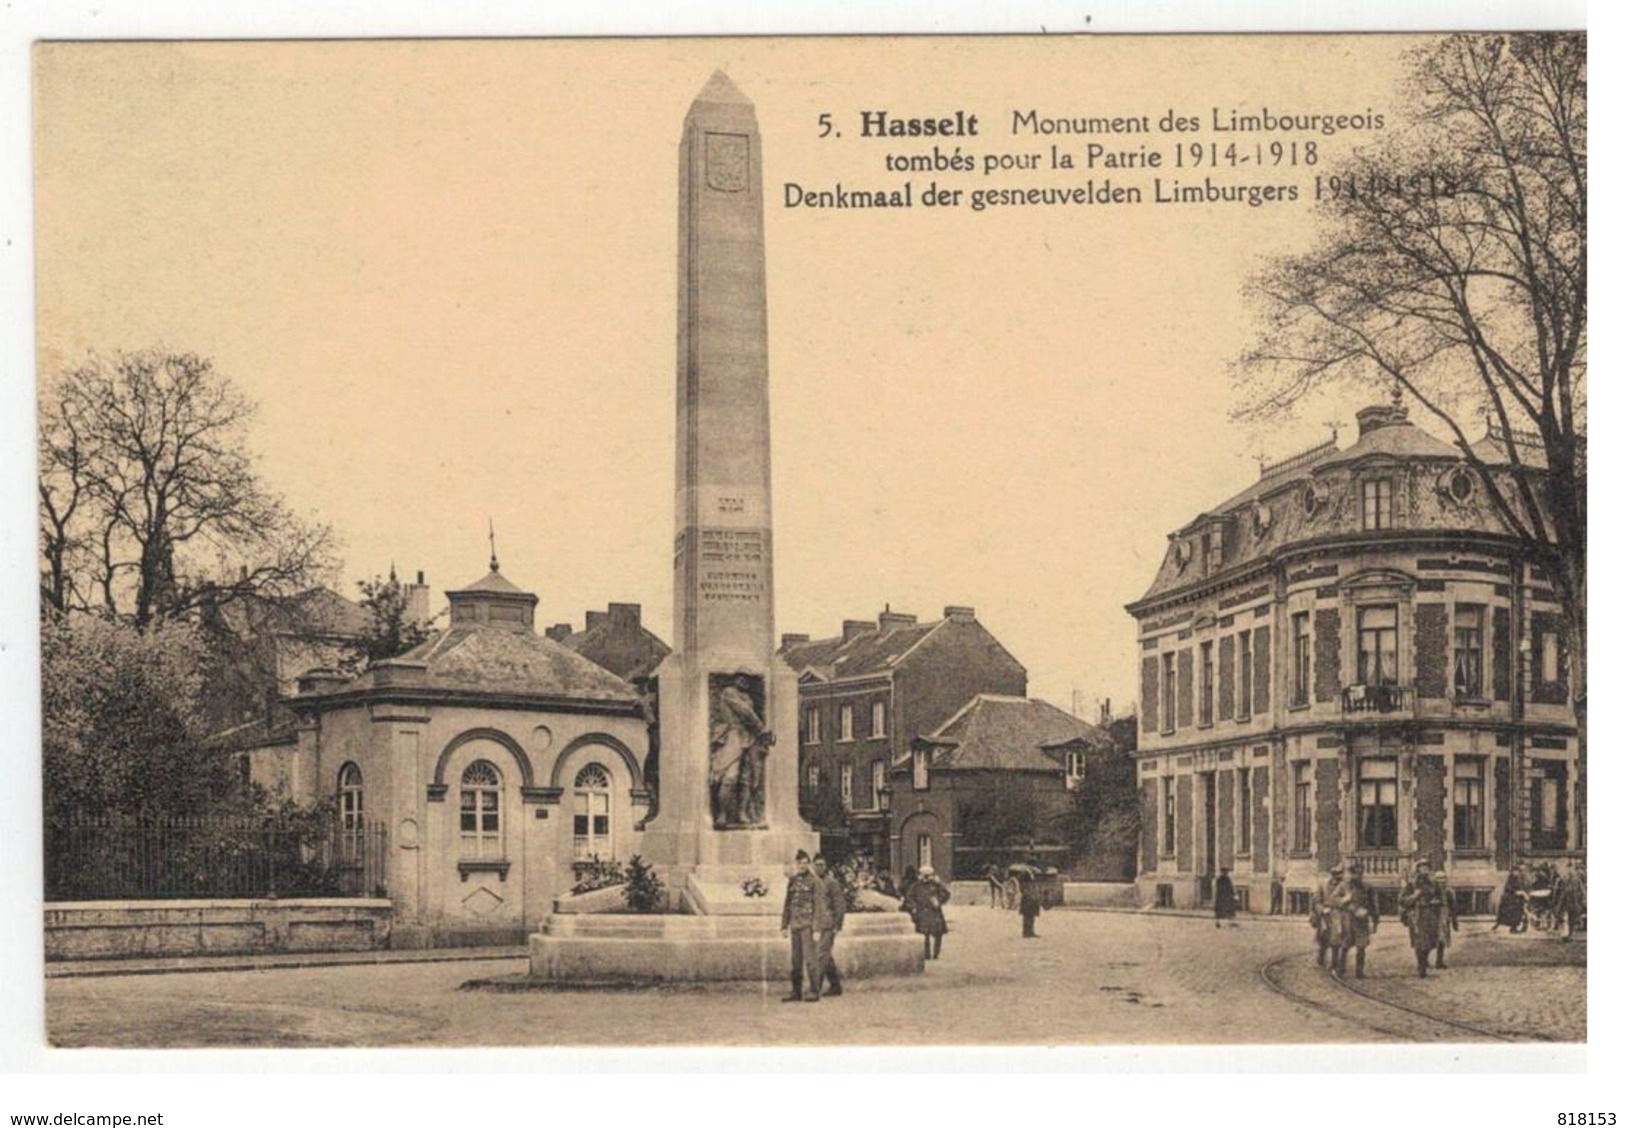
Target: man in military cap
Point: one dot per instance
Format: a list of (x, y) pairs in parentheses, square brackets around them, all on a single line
[(798, 922), (1422, 909), (1359, 908), (1323, 913)]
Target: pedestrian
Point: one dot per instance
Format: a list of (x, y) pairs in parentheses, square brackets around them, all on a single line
[(1447, 917), (1224, 899), (1422, 912), (829, 913), (1032, 904), (909, 878), (1568, 901), (1323, 913), (1513, 909), (995, 887), (1277, 894), (798, 922), (1358, 906), (924, 903)]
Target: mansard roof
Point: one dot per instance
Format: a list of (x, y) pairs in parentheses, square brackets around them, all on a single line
[(1314, 495)]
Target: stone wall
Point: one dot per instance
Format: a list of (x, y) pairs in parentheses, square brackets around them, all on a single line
[(85, 930)]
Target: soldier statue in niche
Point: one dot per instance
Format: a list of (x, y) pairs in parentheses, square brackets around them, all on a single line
[(739, 743)]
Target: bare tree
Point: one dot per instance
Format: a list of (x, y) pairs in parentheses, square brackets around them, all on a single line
[(1453, 265), (150, 508)]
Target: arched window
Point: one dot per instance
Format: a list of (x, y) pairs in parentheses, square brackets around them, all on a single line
[(592, 829), (481, 813), (351, 812)]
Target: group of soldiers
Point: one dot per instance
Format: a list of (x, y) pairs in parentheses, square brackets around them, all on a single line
[(1344, 916)]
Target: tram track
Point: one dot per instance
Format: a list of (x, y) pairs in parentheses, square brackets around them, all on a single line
[(1382, 1015)]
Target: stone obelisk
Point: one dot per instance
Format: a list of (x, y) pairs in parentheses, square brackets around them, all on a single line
[(728, 772)]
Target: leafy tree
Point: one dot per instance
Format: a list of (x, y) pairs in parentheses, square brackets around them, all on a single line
[(826, 810), (1462, 281), (120, 719), (149, 504), (392, 628)]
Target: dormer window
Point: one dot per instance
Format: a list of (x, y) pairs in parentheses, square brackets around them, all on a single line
[(1215, 548), (922, 769), (1377, 504)]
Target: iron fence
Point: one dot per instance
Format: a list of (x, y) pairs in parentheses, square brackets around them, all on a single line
[(93, 858)]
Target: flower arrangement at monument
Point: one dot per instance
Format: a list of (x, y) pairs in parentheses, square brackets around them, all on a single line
[(597, 873), (753, 887)]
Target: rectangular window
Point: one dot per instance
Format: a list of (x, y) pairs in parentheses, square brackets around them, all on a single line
[(812, 778), (1215, 548), (877, 780), (1244, 693), (1467, 804), (1469, 665), (1377, 503), (813, 726), (1168, 815), (1548, 804), (877, 719), (846, 786), (1206, 713), (1074, 767), (1379, 804), (591, 825), (1303, 809), (1168, 693), (1244, 797), (846, 723), (1378, 659), (1302, 658), (922, 769)]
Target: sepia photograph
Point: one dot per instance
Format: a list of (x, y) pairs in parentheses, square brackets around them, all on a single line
[(1032, 540)]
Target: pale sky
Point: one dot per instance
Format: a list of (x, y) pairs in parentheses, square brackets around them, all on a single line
[(447, 273)]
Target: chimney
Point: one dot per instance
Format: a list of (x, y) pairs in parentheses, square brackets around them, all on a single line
[(417, 600), (596, 618), (1106, 712), (558, 632), (626, 614), (792, 639), (1381, 415), (852, 628), (891, 620), (959, 614)]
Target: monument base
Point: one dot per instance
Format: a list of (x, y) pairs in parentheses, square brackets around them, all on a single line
[(677, 948)]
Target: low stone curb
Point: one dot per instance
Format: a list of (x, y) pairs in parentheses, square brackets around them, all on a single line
[(180, 965)]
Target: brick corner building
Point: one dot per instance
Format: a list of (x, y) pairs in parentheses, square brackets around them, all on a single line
[(1352, 658)]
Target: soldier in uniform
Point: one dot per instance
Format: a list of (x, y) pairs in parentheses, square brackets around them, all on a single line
[(1323, 914), (1359, 909), (829, 915), (798, 923), (1422, 910)]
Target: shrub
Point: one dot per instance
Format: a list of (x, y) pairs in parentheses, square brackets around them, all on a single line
[(644, 892)]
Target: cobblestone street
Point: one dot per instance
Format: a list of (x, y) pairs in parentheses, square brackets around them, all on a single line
[(1092, 978)]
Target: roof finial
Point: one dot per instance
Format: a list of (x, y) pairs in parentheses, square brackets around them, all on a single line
[(392, 571), (491, 528), (1398, 394)]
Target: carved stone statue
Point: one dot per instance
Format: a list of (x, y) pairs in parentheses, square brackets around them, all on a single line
[(739, 744)]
